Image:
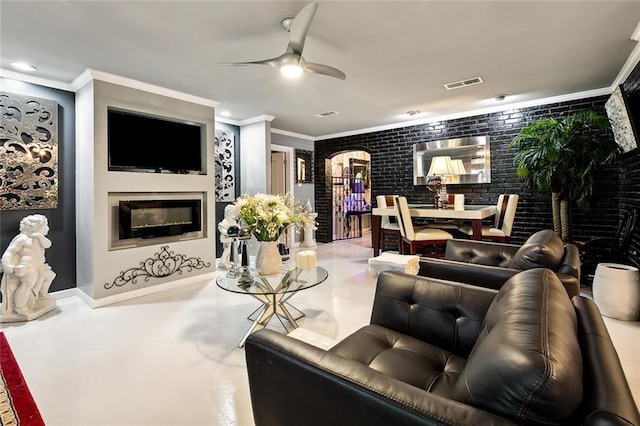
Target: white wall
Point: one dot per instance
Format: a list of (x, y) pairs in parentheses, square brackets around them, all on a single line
[(255, 156), (84, 189), (305, 191)]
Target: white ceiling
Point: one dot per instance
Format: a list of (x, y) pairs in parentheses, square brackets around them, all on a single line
[(397, 55)]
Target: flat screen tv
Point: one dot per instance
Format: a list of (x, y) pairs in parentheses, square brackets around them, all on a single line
[(145, 143)]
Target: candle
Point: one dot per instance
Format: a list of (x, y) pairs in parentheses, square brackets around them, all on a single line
[(306, 259), (458, 202)]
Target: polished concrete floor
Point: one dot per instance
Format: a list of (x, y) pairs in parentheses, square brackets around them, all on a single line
[(171, 358)]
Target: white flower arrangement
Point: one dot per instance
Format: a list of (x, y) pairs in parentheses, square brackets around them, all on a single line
[(268, 216)]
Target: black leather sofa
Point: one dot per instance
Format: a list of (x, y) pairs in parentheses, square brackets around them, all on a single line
[(443, 353), (490, 264)]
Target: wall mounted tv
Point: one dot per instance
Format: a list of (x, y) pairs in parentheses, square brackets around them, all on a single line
[(145, 143)]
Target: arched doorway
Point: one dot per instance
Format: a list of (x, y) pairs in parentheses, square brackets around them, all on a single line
[(350, 194)]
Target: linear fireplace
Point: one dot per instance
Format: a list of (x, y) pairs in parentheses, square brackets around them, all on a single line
[(158, 218)]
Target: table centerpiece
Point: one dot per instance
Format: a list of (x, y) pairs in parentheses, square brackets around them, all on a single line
[(267, 217)]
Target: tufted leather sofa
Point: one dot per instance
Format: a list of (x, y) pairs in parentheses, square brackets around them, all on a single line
[(490, 264), (444, 353)]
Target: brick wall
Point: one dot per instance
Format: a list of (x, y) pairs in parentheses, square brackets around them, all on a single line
[(392, 170), (630, 165)]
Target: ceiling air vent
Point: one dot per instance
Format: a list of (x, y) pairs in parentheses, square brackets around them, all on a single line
[(464, 83), (326, 114)]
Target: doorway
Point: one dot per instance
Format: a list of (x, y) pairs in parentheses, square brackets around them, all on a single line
[(281, 180), (278, 173), (351, 194)]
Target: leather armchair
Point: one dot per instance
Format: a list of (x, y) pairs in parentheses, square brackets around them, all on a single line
[(438, 352), (490, 264)]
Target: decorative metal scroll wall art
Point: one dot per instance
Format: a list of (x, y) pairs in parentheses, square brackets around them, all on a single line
[(28, 152), (162, 264), (620, 124), (225, 166)]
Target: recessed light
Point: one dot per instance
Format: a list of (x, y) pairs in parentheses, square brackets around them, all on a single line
[(500, 97), (225, 114), (23, 66), (413, 112)]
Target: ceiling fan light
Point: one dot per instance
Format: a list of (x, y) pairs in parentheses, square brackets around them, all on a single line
[(291, 70)]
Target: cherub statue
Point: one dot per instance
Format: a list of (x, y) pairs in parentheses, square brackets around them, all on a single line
[(223, 226), (27, 277)]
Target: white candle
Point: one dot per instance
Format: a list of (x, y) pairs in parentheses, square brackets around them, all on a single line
[(301, 260), (306, 259), (311, 259), (458, 202)]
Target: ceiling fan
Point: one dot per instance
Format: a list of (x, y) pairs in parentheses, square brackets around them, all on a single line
[(291, 63)]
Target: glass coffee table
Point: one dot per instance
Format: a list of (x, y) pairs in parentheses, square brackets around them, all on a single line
[(274, 291)]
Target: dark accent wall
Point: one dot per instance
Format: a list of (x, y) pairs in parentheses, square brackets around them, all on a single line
[(62, 220), (630, 167), (392, 170), (222, 204)]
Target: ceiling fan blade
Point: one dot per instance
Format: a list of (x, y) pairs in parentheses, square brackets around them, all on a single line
[(300, 27), (274, 62), (324, 70)]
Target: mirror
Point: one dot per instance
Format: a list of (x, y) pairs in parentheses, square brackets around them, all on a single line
[(359, 173), (462, 160), (303, 166)]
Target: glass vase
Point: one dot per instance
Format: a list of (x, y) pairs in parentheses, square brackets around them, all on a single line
[(268, 259)]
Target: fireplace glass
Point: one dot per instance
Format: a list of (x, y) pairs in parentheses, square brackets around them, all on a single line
[(158, 218)]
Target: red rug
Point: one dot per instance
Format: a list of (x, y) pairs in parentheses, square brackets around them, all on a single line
[(17, 407)]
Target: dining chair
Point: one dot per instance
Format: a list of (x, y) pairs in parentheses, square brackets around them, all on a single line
[(431, 241), (389, 228), (503, 220)]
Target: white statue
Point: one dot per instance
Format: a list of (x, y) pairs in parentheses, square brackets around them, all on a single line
[(27, 277), (229, 220)]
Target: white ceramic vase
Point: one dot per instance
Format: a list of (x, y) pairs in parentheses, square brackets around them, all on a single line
[(268, 259)]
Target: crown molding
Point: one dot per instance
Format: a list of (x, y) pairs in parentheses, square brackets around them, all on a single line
[(475, 112), (636, 33), (227, 121), (35, 80), (257, 119), (91, 74), (292, 134), (629, 65)]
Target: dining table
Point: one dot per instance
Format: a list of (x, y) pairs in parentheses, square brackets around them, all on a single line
[(473, 213)]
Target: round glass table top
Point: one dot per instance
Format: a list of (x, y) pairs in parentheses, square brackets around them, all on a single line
[(288, 281)]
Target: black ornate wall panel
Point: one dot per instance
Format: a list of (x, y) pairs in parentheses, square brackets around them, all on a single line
[(225, 165), (220, 205), (392, 170), (28, 152)]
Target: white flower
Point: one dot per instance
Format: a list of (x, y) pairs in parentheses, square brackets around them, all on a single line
[(268, 216)]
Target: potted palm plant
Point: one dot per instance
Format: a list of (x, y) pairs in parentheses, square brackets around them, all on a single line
[(559, 156)]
